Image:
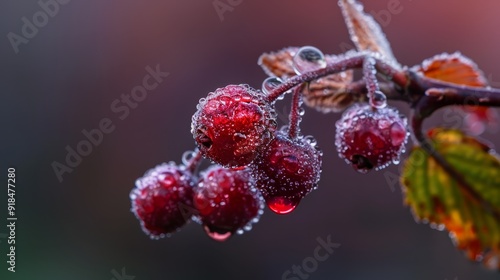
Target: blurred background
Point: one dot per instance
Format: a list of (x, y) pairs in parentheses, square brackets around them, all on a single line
[(65, 77)]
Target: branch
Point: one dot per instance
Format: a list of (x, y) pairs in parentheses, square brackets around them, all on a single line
[(453, 94), (348, 63), (420, 113)]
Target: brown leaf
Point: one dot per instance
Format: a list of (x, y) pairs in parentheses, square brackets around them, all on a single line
[(453, 68), (458, 69), (330, 94), (280, 63), (365, 32)]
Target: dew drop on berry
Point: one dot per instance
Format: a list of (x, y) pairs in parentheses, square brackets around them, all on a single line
[(398, 134), (384, 124), (217, 236), (291, 164), (167, 179), (248, 227), (239, 137), (281, 205), (246, 98), (270, 84), (311, 140), (308, 59), (378, 100)]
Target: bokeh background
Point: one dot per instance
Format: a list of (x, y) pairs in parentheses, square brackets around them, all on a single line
[(65, 78)]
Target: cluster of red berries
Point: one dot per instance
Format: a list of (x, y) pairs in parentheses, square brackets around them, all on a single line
[(235, 127), (223, 200)]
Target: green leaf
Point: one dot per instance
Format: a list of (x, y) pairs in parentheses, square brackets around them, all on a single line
[(437, 198)]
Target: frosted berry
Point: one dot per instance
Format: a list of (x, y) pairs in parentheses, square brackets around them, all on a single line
[(161, 198), (227, 202), (369, 138), (286, 171), (232, 124)]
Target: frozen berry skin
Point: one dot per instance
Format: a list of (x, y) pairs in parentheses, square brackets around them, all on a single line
[(369, 138), (162, 198), (286, 171), (227, 201), (232, 124)]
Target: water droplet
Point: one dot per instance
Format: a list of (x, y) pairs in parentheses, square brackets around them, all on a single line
[(281, 205), (284, 129), (216, 235), (246, 98), (270, 84), (379, 100), (291, 164), (383, 124), (187, 157), (239, 137), (167, 179), (308, 59), (311, 140), (301, 111), (398, 134)]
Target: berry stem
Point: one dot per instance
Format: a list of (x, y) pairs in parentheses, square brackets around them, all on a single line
[(194, 162), (359, 89), (295, 118), (347, 63), (369, 73)]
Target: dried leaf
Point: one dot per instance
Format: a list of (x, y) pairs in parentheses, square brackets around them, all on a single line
[(365, 32), (458, 69), (330, 94), (453, 68), (280, 63), (436, 197)]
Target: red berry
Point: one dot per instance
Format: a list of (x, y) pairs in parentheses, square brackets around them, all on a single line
[(286, 171), (160, 199), (370, 138), (227, 202), (232, 124)]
